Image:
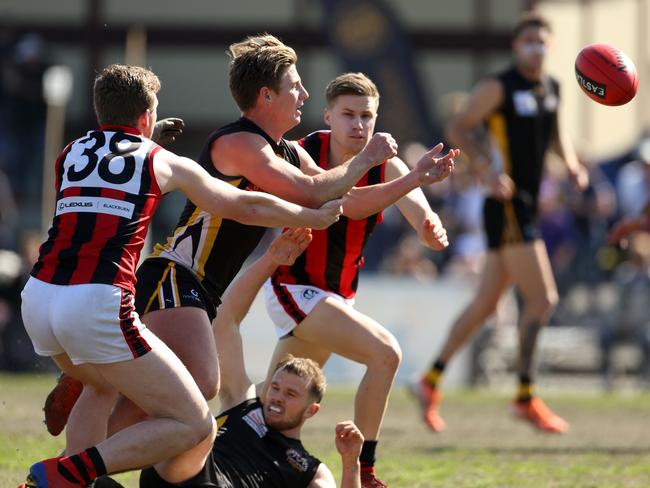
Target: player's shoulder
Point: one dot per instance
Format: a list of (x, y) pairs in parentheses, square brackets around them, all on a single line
[(242, 140)]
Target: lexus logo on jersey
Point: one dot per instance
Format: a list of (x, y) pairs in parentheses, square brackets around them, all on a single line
[(109, 206)]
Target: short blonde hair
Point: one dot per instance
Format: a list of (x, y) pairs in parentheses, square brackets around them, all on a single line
[(307, 369), (350, 84), (122, 93), (255, 62)]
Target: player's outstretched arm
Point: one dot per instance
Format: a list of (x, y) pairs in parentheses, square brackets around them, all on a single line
[(235, 384), (361, 202), (258, 163), (248, 207), (417, 211)]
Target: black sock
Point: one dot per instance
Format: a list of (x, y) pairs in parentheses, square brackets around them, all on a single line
[(367, 456)]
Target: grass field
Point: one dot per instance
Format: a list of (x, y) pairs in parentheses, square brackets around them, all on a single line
[(608, 444)]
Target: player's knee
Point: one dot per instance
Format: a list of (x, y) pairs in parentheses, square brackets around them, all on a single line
[(202, 428), (388, 354), (101, 390), (542, 306)]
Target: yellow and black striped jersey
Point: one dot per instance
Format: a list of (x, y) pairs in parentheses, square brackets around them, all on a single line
[(522, 128), (215, 248)]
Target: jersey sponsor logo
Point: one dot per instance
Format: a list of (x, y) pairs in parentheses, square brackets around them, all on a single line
[(103, 205), (106, 160), (297, 460), (255, 420), (525, 103), (309, 293)]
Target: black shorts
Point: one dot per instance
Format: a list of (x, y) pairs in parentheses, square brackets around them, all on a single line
[(510, 222), (163, 283)]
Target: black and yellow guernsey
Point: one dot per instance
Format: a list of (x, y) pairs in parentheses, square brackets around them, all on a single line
[(522, 129), (212, 247), (248, 454)]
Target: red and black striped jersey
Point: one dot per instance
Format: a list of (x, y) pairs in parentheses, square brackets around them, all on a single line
[(334, 257), (213, 247), (106, 193)]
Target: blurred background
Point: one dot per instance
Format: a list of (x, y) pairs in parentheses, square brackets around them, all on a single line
[(425, 56)]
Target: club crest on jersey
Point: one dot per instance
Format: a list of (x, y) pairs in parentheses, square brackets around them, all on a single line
[(255, 420), (309, 293), (297, 460)]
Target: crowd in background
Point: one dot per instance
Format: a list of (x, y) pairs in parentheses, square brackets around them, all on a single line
[(574, 225)]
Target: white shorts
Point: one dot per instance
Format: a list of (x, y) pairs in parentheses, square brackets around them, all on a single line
[(288, 305), (92, 323)]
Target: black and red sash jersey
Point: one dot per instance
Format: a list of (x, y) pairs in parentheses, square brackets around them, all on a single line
[(334, 257), (106, 193), (248, 454), (213, 247)]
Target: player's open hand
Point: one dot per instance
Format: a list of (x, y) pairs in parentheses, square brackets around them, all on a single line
[(432, 169), (433, 234), (381, 147), (349, 441), (167, 130), (285, 249), (326, 215)]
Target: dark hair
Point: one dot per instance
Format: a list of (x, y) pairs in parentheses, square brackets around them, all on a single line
[(530, 19), (122, 93), (256, 62), (307, 369)]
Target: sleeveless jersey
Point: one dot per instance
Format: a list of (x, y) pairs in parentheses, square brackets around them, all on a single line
[(248, 454), (334, 257), (215, 248), (106, 193), (522, 128)]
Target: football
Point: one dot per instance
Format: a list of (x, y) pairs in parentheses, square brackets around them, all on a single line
[(606, 74)]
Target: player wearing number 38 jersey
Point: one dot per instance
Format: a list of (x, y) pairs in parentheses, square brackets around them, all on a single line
[(107, 193)]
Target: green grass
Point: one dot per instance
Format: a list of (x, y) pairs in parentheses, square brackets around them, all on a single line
[(608, 444)]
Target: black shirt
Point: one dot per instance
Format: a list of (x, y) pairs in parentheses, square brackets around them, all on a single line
[(247, 454), (522, 127)]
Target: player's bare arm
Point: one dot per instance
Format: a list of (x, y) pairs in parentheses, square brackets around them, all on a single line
[(416, 210), (236, 386), (251, 208), (484, 100), (250, 155), (563, 147), (361, 202)]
